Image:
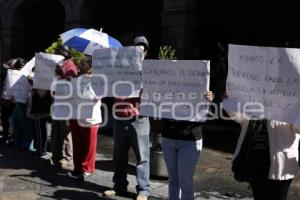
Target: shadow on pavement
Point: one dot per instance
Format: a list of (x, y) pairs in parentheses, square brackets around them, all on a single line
[(74, 195), (30, 168), (107, 165)]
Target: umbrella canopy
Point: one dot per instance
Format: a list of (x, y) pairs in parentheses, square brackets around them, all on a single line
[(87, 40)]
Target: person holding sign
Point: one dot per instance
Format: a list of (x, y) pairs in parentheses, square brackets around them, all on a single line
[(131, 130), (6, 101), (266, 156), (181, 145), (22, 125), (39, 111), (84, 131), (61, 139)]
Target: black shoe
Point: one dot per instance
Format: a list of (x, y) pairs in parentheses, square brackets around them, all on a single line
[(75, 173)]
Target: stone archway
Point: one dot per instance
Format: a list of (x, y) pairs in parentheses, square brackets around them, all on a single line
[(36, 25), (1, 23), (125, 19), (2, 11)]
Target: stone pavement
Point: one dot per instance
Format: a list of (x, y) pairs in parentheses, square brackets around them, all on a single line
[(23, 177)]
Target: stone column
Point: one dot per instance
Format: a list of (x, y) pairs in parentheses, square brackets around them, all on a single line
[(178, 26), (72, 23), (6, 43), (13, 43)]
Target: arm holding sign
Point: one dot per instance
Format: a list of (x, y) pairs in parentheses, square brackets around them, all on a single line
[(209, 95), (240, 118)]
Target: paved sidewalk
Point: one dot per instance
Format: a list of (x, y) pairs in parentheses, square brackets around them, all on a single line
[(23, 177)]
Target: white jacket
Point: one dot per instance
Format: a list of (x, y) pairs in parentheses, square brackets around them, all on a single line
[(283, 143), (93, 106)]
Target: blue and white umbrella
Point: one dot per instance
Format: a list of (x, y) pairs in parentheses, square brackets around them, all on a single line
[(87, 40)]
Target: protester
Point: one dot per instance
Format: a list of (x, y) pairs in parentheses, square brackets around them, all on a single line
[(84, 131), (181, 145), (39, 110), (22, 125), (271, 148), (6, 102), (133, 132), (61, 139)]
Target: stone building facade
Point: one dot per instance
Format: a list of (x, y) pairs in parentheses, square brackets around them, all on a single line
[(28, 26), (193, 27)]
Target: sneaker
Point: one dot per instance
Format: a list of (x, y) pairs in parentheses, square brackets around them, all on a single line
[(112, 192), (44, 156), (85, 176), (141, 197), (66, 163), (62, 164)]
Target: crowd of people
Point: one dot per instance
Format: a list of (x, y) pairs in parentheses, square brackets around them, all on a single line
[(273, 145)]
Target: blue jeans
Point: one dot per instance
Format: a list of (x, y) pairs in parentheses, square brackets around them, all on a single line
[(131, 133), (22, 127), (181, 158)]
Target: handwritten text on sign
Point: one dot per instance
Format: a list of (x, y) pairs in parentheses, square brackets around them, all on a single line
[(17, 86), (45, 65), (267, 77), (117, 72), (174, 89)]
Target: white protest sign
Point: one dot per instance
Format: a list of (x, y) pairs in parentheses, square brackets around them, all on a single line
[(174, 89), (264, 82), (17, 86), (75, 100), (117, 72), (27, 69), (44, 73)]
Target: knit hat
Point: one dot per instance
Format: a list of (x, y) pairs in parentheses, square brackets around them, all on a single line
[(141, 40)]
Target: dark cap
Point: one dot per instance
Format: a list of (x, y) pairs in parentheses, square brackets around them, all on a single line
[(20, 63), (63, 50), (141, 40)]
